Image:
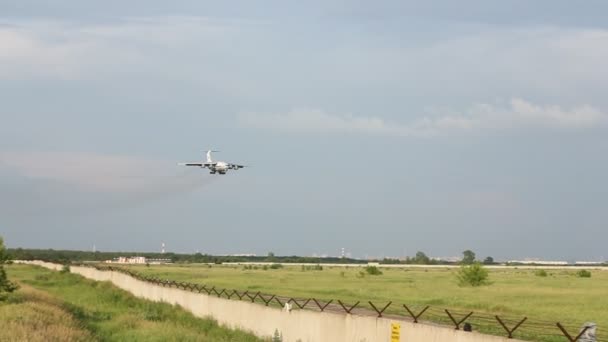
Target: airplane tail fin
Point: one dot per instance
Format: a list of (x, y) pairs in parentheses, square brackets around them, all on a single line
[(209, 156)]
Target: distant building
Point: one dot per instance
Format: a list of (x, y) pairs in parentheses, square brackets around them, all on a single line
[(138, 260), (538, 262), (447, 259)]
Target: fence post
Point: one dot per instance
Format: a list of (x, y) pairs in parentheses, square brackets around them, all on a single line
[(457, 324), (415, 317), (379, 311), (324, 306), (348, 310), (568, 335), (510, 331), (298, 304), (267, 301)]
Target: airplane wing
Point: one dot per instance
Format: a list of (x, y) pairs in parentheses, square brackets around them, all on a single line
[(236, 166), (199, 164)]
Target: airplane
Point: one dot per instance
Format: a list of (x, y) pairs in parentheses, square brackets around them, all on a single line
[(220, 167)]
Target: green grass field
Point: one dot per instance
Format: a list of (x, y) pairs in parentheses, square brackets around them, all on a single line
[(54, 306), (514, 293)]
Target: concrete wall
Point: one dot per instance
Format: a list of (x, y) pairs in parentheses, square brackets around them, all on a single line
[(51, 266), (297, 325)]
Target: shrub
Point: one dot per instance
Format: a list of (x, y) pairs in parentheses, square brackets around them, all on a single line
[(65, 269), (540, 273), (373, 270), (316, 267), (276, 266), (583, 274), (472, 275), (6, 286)]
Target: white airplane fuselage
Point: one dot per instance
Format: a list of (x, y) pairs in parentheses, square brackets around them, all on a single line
[(220, 167)]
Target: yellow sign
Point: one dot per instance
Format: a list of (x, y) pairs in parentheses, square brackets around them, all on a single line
[(395, 332)]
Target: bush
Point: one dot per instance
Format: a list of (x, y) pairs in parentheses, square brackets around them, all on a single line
[(65, 269), (316, 267), (276, 266), (6, 286), (540, 273), (373, 270), (472, 275), (583, 274)]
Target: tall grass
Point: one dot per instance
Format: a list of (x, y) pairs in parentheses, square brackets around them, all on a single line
[(100, 311), (31, 315)]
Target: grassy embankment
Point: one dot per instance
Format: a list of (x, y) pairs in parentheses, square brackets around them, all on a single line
[(514, 293), (53, 306)]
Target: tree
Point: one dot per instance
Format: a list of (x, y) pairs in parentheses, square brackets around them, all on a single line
[(5, 285), (488, 261), (421, 258), (468, 257), (473, 275)]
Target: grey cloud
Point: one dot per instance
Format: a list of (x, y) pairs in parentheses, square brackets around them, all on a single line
[(227, 53), (64, 50), (478, 117)]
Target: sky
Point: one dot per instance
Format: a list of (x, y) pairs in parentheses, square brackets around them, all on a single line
[(383, 128)]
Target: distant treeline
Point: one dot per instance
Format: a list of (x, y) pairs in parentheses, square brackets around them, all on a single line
[(65, 256)]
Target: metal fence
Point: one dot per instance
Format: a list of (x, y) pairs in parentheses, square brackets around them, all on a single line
[(512, 327)]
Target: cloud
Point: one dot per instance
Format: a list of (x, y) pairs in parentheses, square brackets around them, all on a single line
[(246, 59), (63, 50), (478, 117), (313, 120)]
